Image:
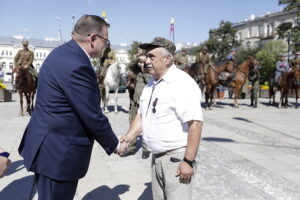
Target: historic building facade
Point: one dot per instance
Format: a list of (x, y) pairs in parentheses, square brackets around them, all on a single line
[(9, 46), (257, 31)]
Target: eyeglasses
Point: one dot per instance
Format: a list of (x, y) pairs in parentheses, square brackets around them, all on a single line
[(154, 105), (106, 40)]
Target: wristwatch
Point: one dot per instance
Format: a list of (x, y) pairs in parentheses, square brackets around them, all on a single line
[(191, 163), (4, 154)]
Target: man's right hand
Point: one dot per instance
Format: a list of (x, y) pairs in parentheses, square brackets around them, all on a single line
[(4, 163)]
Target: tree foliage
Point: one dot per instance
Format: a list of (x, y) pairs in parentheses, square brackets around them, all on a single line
[(268, 56), (221, 41), (134, 49)]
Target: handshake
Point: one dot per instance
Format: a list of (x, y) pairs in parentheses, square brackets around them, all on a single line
[(123, 147)]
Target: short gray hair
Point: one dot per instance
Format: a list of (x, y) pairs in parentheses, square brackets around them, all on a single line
[(166, 53), (89, 24)]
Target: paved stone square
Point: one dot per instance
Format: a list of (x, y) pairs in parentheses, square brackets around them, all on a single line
[(245, 154)]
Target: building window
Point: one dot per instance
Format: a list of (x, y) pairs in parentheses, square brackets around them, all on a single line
[(10, 53), (3, 65), (41, 55), (37, 54), (11, 66), (38, 66), (44, 55), (6, 52), (2, 52)]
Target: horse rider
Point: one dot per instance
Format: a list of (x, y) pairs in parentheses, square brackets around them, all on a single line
[(140, 77), (203, 57), (24, 58), (253, 78), (181, 59), (231, 57), (281, 66), (110, 58), (295, 63)]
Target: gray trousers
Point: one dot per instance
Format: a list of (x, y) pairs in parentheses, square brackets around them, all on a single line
[(165, 184)]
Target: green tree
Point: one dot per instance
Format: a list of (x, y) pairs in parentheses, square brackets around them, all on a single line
[(134, 49), (268, 56), (286, 30), (221, 40), (244, 53)]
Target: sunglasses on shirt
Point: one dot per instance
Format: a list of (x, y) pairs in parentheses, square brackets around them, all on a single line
[(154, 105)]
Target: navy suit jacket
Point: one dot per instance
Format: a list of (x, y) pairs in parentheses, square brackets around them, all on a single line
[(58, 140)]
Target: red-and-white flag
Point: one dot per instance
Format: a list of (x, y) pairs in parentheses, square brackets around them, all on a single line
[(172, 28)]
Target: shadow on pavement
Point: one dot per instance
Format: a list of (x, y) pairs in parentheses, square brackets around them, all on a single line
[(15, 167), (242, 119), (147, 194), (18, 189), (217, 139), (105, 192), (120, 109)]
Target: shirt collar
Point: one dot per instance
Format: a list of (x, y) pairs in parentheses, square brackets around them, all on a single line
[(169, 76)]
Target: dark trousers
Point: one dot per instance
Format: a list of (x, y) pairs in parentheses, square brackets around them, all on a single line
[(49, 189)]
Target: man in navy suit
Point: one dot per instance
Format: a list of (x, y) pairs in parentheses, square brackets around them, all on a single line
[(58, 140)]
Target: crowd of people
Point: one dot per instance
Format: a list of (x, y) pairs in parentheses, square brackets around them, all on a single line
[(164, 108)]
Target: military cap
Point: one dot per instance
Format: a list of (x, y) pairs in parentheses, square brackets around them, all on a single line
[(25, 42), (205, 48), (233, 49), (184, 49), (298, 53), (159, 42), (283, 55)]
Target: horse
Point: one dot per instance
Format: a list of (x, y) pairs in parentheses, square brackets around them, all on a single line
[(112, 79), (196, 71), (212, 79), (25, 85), (241, 74), (289, 80)]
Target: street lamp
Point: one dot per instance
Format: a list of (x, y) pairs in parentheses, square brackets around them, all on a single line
[(59, 28), (289, 44), (73, 19)]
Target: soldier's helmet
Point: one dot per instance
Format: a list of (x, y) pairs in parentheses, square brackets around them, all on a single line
[(25, 42)]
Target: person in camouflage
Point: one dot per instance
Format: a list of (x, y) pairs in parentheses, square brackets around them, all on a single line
[(295, 63), (253, 77), (204, 58), (139, 77), (24, 58), (110, 58), (181, 59)]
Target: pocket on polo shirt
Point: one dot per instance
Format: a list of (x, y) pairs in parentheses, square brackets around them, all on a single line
[(162, 111)]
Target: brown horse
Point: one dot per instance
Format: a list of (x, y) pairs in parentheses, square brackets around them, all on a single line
[(288, 81), (212, 80), (25, 85), (241, 75), (196, 71)]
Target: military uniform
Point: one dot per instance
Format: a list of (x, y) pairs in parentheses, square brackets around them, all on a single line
[(295, 63), (24, 58), (181, 61), (281, 67), (140, 79), (253, 77), (204, 59)]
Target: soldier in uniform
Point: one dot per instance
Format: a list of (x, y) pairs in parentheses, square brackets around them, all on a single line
[(24, 58), (140, 77), (253, 77), (110, 58), (204, 58), (281, 66), (231, 56), (181, 59), (295, 63)]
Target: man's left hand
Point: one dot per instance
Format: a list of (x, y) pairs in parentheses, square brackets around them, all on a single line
[(185, 172)]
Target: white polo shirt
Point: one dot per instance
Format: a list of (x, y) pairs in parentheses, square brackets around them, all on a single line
[(165, 111)]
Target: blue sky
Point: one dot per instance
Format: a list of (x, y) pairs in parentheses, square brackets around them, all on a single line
[(130, 19)]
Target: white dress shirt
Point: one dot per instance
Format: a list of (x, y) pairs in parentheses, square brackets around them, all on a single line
[(166, 109)]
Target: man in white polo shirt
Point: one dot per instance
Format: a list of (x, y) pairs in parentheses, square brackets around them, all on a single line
[(170, 118)]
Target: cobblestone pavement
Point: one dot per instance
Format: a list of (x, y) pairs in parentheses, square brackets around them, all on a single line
[(245, 154)]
